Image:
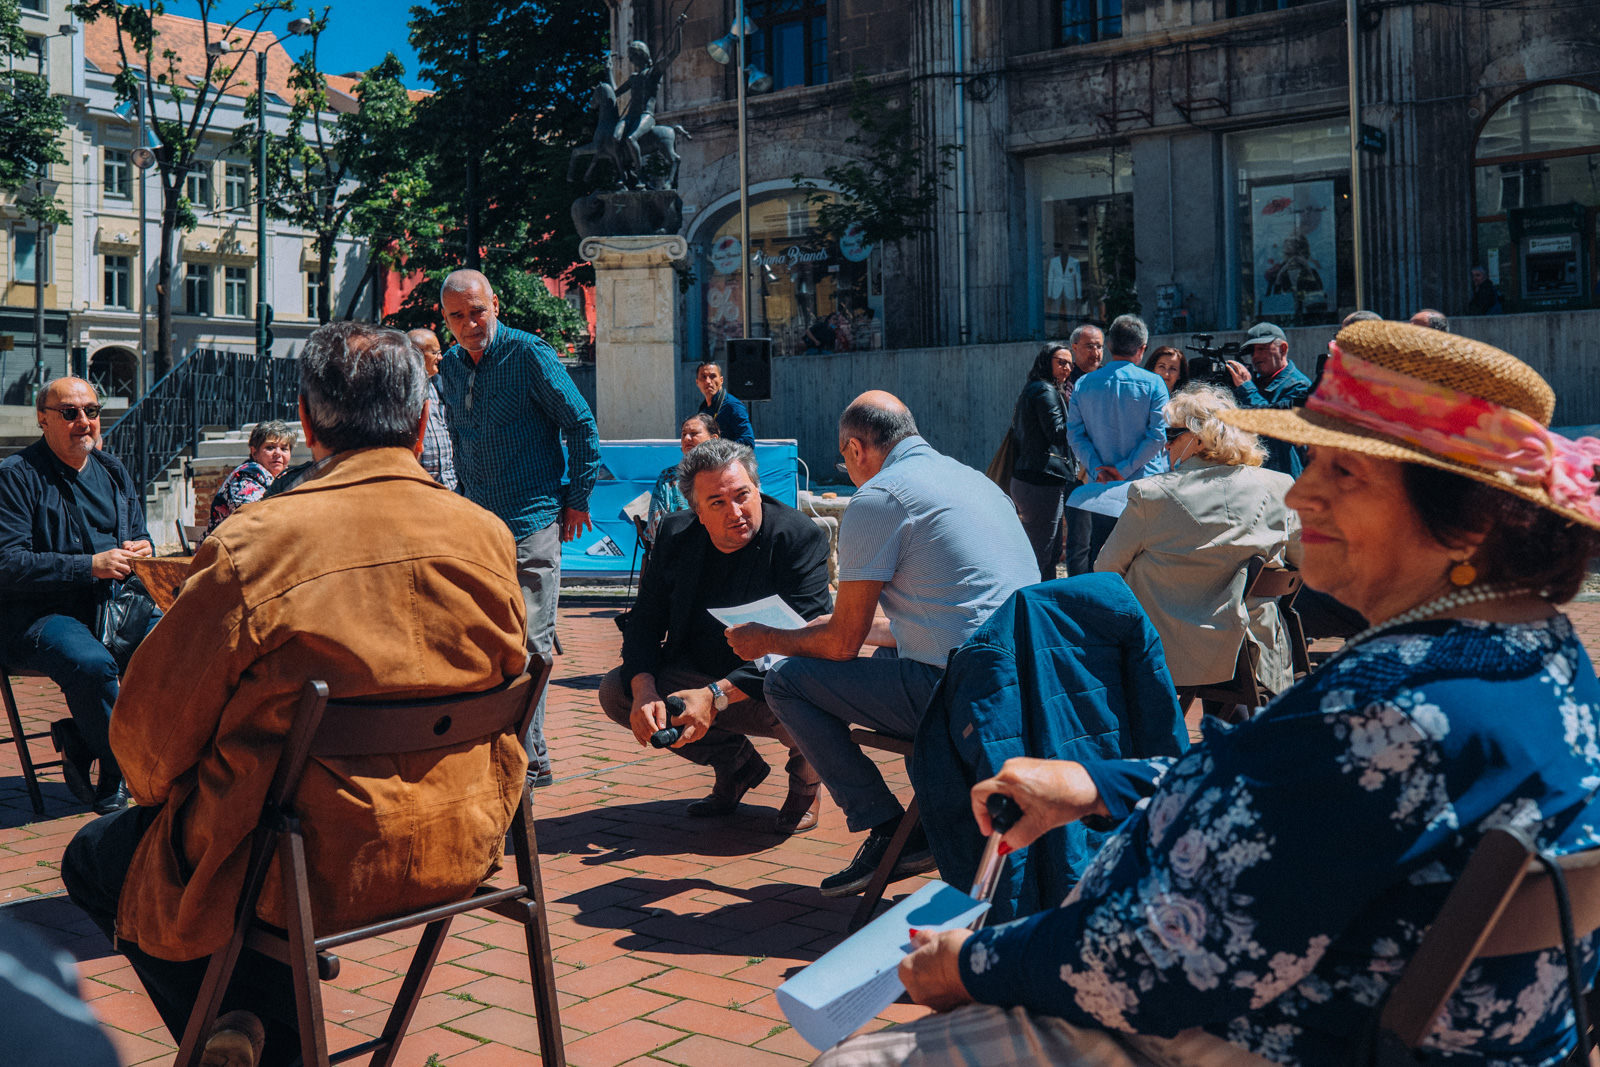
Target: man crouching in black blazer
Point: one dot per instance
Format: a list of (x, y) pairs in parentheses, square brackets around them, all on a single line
[(732, 547)]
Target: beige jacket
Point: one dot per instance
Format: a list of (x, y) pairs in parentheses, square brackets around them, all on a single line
[(377, 580), (1182, 546)]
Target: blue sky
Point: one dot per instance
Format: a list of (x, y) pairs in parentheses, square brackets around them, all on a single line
[(360, 32)]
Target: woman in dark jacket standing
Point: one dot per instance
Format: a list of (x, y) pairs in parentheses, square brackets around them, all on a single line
[(1044, 459)]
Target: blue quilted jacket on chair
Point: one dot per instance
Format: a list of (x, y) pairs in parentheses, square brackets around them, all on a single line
[(1070, 669)]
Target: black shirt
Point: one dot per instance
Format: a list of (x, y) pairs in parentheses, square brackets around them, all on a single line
[(669, 625), (96, 497)]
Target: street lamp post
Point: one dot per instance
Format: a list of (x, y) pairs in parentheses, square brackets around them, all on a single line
[(722, 50)]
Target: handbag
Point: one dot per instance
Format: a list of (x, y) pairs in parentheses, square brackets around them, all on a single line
[(122, 617), (1004, 461)]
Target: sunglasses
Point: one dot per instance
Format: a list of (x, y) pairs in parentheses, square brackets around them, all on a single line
[(472, 383), (69, 412), (1175, 432)]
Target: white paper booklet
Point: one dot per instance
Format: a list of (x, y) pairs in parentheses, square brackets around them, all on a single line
[(769, 611), (1105, 498), (841, 992)]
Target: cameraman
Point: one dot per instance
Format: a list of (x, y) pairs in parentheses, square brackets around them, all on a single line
[(1277, 383)]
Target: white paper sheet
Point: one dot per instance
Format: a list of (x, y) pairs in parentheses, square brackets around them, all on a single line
[(769, 611), (1109, 498), (847, 987)]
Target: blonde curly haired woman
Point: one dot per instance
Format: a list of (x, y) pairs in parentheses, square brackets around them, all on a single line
[(1183, 542)]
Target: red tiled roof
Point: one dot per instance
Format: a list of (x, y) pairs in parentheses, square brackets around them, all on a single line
[(188, 37)]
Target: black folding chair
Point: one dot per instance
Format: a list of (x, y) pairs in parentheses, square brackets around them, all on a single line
[(30, 769), (333, 728)]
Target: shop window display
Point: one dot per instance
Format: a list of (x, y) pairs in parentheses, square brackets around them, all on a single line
[(1540, 149), (811, 293), (1293, 222), (1084, 204)]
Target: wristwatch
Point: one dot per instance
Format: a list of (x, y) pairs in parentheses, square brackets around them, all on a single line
[(719, 699)]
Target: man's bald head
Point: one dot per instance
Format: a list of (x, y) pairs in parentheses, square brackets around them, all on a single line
[(465, 280), (471, 310), (57, 387), (878, 420), (426, 342)]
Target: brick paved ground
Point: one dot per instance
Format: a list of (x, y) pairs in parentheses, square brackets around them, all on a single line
[(670, 932)]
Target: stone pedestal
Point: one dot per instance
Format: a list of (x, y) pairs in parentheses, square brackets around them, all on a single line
[(636, 333)]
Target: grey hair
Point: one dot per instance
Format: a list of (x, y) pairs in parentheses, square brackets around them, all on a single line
[(1125, 336), (44, 394), (711, 456), (1360, 316), (1078, 333), (876, 427), (1198, 409), (271, 430), (363, 386)]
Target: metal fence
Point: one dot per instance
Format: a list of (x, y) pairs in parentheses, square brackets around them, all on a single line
[(208, 388)]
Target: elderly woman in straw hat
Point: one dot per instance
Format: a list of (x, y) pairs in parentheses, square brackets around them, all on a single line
[(1263, 891)]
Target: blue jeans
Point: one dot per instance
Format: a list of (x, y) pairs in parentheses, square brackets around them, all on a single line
[(818, 699), (63, 649)]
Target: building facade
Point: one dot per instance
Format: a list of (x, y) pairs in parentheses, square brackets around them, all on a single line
[(214, 278), (100, 269), (30, 253), (1190, 158)]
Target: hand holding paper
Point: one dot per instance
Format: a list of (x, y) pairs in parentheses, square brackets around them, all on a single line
[(770, 612), (842, 991), (932, 972)]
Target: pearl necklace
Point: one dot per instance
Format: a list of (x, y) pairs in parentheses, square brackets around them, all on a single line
[(1454, 599)]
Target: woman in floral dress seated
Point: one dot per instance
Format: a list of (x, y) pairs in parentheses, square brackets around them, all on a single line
[(665, 498), (1264, 891), (270, 445)]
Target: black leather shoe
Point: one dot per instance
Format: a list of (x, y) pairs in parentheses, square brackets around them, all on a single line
[(725, 795), (112, 802), (75, 759), (915, 858)]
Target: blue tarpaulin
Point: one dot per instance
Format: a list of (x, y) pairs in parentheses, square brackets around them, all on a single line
[(633, 467)]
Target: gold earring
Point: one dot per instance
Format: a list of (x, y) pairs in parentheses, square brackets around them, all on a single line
[(1463, 574)]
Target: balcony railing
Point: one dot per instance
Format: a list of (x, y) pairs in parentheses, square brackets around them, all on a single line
[(208, 388)]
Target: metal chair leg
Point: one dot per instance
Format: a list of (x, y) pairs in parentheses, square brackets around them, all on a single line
[(30, 775), (880, 877)]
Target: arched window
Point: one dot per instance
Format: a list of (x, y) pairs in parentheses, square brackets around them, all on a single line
[(810, 291), (1536, 177)]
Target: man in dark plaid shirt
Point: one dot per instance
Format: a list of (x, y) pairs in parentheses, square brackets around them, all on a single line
[(510, 403)]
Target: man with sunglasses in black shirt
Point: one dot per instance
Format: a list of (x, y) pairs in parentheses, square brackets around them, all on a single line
[(70, 525)]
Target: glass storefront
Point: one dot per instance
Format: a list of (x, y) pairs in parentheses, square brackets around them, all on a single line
[(1537, 153), (1084, 224), (809, 292), (1292, 221)]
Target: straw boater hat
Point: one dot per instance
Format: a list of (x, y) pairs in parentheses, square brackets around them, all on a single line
[(1409, 393)]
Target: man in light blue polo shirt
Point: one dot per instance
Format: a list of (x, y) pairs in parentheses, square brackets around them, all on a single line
[(1116, 426), (939, 547)]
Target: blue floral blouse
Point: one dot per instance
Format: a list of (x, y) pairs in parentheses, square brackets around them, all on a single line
[(1270, 885)]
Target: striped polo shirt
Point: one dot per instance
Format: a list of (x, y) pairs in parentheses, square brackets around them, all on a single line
[(943, 539)]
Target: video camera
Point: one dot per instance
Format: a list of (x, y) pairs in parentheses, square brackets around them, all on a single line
[(1207, 363)]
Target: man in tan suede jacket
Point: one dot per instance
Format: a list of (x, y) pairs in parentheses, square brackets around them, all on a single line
[(365, 574)]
